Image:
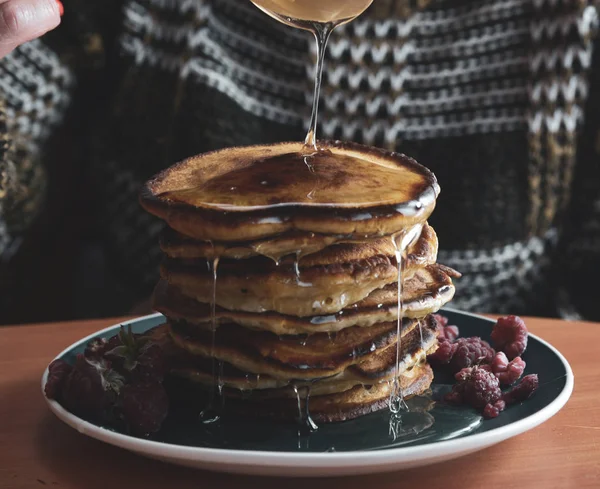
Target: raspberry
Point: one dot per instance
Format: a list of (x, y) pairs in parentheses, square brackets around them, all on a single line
[(510, 336), (470, 352), (151, 363), (451, 333), (499, 362), (137, 357), (58, 371), (144, 407), (443, 354), (96, 348), (442, 320), (90, 387), (493, 410), (476, 387), (446, 332), (523, 390), (507, 372), (479, 387)]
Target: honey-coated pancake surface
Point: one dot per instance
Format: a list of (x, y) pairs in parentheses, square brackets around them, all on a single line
[(328, 407), (177, 245), (257, 353), (309, 249), (377, 367), (348, 394), (255, 192), (425, 292), (322, 283), (342, 406), (199, 370), (307, 294)]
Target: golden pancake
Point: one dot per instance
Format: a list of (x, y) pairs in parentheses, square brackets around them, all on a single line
[(176, 245), (199, 370), (246, 353), (309, 293), (382, 367), (320, 283), (300, 245), (250, 193), (321, 351), (426, 292), (347, 404)]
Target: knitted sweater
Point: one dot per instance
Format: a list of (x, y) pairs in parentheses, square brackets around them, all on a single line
[(495, 96)]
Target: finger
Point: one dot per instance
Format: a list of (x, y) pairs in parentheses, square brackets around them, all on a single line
[(24, 20)]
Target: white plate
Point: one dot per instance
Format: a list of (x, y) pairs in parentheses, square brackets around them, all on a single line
[(386, 458)]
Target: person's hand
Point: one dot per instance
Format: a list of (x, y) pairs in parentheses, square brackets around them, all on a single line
[(24, 20)]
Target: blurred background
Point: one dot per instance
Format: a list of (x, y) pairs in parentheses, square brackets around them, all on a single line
[(500, 98)]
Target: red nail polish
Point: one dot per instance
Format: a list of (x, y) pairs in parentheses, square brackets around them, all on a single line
[(61, 8)]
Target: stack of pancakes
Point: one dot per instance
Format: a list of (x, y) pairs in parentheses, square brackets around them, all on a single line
[(280, 277)]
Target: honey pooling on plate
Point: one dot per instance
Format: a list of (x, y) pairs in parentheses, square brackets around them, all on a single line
[(306, 296)]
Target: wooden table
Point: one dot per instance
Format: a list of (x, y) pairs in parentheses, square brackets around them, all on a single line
[(37, 450)]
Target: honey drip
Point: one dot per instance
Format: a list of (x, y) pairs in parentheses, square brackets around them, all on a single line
[(306, 423), (397, 403), (320, 17), (212, 413)]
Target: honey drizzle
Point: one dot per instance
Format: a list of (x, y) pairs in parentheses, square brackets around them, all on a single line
[(312, 19), (397, 403), (306, 423), (322, 33), (212, 413)]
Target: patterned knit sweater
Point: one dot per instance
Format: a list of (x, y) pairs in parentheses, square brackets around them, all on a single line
[(495, 96)]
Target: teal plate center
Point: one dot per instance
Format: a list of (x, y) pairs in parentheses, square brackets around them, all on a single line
[(428, 420)]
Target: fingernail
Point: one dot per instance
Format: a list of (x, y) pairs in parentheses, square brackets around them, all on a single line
[(61, 8)]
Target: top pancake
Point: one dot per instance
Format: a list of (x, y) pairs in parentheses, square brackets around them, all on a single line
[(250, 193)]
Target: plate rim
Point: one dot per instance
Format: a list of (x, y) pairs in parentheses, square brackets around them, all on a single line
[(317, 460)]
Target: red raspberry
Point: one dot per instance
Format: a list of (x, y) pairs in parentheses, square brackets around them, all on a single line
[(136, 356), (476, 387), (96, 348), (90, 387), (493, 410), (58, 371), (144, 407), (470, 352), (523, 391), (510, 336), (442, 320), (451, 333), (445, 332), (443, 354), (507, 372), (151, 363), (499, 362)]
